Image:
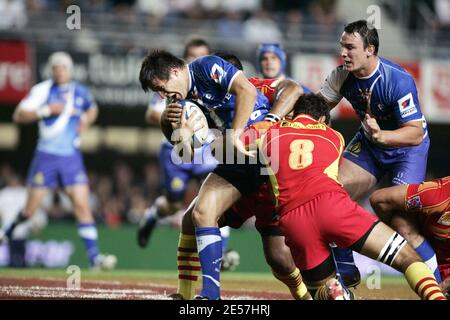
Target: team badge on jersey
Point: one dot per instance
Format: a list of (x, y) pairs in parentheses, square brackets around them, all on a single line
[(413, 203), (355, 149), (445, 219), (38, 178), (407, 106), (217, 73), (177, 184)]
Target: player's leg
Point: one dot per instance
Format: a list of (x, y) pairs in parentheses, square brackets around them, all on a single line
[(174, 179), (42, 176), (387, 200), (311, 253), (278, 257), (215, 196), (387, 246), (358, 174), (412, 170), (74, 179)]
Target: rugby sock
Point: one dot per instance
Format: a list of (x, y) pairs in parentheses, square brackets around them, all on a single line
[(151, 215), (225, 234), (426, 252), (209, 246), (295, 284), (188, 266), (422, 281), (88, 233)]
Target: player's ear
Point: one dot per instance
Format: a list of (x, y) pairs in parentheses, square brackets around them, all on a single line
[(323, 119), (370, 50)]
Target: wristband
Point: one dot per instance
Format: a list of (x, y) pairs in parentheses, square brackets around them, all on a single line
[(272, 117)]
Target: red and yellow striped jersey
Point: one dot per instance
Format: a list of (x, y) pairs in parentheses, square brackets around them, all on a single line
[(266, 86), (432, 198), (304, 157)]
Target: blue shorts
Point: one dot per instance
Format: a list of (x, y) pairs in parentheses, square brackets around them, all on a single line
[(404, 165), (175, 177), (49, 171)]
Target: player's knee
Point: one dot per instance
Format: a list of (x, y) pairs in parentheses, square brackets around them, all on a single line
[(199, 217), (407, 230), (380, 205), (405, 258)]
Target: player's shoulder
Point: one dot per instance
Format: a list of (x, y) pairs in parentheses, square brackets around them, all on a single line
[(264, 82), (42, 86), (208, 60), (395, 72)]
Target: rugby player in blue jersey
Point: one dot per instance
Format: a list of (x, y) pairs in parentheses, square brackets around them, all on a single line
[(63, 109), (234, 103), (393, 139)]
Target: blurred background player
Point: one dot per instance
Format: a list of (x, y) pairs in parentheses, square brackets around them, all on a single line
[(175, 177), (272, 61), (63, 108), (315, 210), (393, 139), (429, 204)]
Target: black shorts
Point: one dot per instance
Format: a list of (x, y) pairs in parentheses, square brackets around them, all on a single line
[(246, 178)]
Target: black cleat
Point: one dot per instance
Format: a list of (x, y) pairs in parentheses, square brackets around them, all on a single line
[(144, 232)]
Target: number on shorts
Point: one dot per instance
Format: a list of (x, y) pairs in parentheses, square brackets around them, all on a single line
[(301, 154)]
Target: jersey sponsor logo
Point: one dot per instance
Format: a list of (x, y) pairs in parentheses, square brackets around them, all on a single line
[(299, 125), (407, 106), (414, 203), (217, 73)]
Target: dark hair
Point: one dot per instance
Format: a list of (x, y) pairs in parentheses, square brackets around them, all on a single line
[(231, 58), (367, 31), (312, 104), (195, 42), (157, 65)]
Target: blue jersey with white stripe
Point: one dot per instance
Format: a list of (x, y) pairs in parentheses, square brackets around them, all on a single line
[(389, 94), (59, 134), (210, 81)]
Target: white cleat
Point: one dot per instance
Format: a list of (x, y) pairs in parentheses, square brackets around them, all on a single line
[(105, 262)]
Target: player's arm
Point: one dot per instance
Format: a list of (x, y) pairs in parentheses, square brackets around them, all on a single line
[(386, 201), (153, 116), (287, 93), (88, 117), (409, 134), (246, 95), (25, 114), (331, 86)]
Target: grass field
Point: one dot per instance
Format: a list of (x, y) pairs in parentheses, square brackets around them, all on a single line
[(155, 285)]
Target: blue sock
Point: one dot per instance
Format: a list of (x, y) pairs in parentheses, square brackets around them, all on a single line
[(209, 246), (88, 233), (426, 252)]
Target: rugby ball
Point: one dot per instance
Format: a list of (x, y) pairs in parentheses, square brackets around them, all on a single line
[(201, 135)]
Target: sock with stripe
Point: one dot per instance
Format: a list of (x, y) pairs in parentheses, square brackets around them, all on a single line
[(209, 246), (88, 233), (426, 252), (295, 284), (422, 281), (188, 266)]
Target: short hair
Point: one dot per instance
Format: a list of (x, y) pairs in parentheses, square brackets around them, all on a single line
[(313, 105), (157, 65), (195, 42), (367, 31), (231, 58)]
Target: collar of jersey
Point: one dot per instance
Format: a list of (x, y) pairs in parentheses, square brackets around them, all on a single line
[(371, 75), (302, 115), (191, 78)]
